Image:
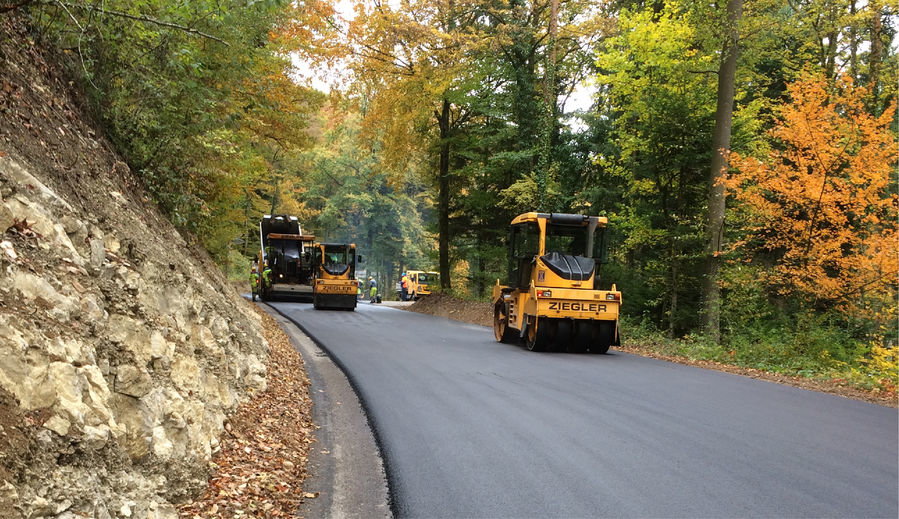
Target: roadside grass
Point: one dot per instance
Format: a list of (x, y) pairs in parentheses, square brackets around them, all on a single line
[(809, 348)]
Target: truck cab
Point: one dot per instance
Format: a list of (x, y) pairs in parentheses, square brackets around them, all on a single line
[(421, 282)]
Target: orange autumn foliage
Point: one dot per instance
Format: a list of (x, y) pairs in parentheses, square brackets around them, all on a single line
[(820, 204)]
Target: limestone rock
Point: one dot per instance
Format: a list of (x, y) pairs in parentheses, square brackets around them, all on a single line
[(129, 346), (9, 498), (95, 438), (7, 218), (58, 425), (41, 507), (133, 381), (98, 253), (27, 382), (38, 289), (186, 373), (91, 309), (72, 225), (162, 446), (8, 250), (18, 176)]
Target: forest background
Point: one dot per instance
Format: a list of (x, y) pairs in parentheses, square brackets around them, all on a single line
[(744, 152)]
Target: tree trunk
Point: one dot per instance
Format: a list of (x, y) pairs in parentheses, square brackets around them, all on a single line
[(443, 120), (875, 56), (675, 286), (544, 165), (853, 43), (830, 58), (720, 150), (370, 266)]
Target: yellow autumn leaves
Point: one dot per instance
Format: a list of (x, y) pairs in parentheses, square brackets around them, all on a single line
[(819, 207)]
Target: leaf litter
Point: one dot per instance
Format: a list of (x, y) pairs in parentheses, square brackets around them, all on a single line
[(261, 466)]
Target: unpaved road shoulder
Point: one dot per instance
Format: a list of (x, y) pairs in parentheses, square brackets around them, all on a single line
[(346, 473)]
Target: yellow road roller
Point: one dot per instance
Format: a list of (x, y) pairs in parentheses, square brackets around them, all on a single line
[(335, 284), (552, 300)]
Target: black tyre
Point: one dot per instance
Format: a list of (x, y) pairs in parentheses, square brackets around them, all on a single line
[(536, 337), (604, 334), (551, 330), (581, 337)]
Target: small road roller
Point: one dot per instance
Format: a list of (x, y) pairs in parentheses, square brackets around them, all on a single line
[(335, 284), (552, 299)]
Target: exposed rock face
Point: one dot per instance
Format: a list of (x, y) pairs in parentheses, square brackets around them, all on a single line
[(137, 362), (123, 347)]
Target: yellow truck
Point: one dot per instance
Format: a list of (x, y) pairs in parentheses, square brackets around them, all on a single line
[(334, 267), (552, 298), (420, 283)]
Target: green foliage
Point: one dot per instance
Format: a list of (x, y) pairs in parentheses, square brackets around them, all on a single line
[(661, 102), (877, 369), (197, 98), (236, 266), (355, 201), (812, 345)]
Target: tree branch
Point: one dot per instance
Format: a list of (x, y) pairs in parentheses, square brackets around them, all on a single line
[(146, 19)]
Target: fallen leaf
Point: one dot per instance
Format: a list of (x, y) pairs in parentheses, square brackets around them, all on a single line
[(24, 228)]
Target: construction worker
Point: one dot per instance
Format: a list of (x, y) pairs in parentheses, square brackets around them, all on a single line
[(266, 277), (404, 287), (372, 290), (254, 281)]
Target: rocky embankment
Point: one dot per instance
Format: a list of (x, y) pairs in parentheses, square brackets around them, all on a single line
[(122, 348)]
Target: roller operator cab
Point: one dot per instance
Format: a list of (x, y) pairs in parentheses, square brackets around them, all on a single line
[(552, 297), (335, 282), (287, 255), (421, 283)]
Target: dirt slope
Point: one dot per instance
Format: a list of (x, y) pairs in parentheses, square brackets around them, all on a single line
[(123, 351), (442, 305)]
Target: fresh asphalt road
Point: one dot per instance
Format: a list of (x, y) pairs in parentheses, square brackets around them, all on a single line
[(473, 428)]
